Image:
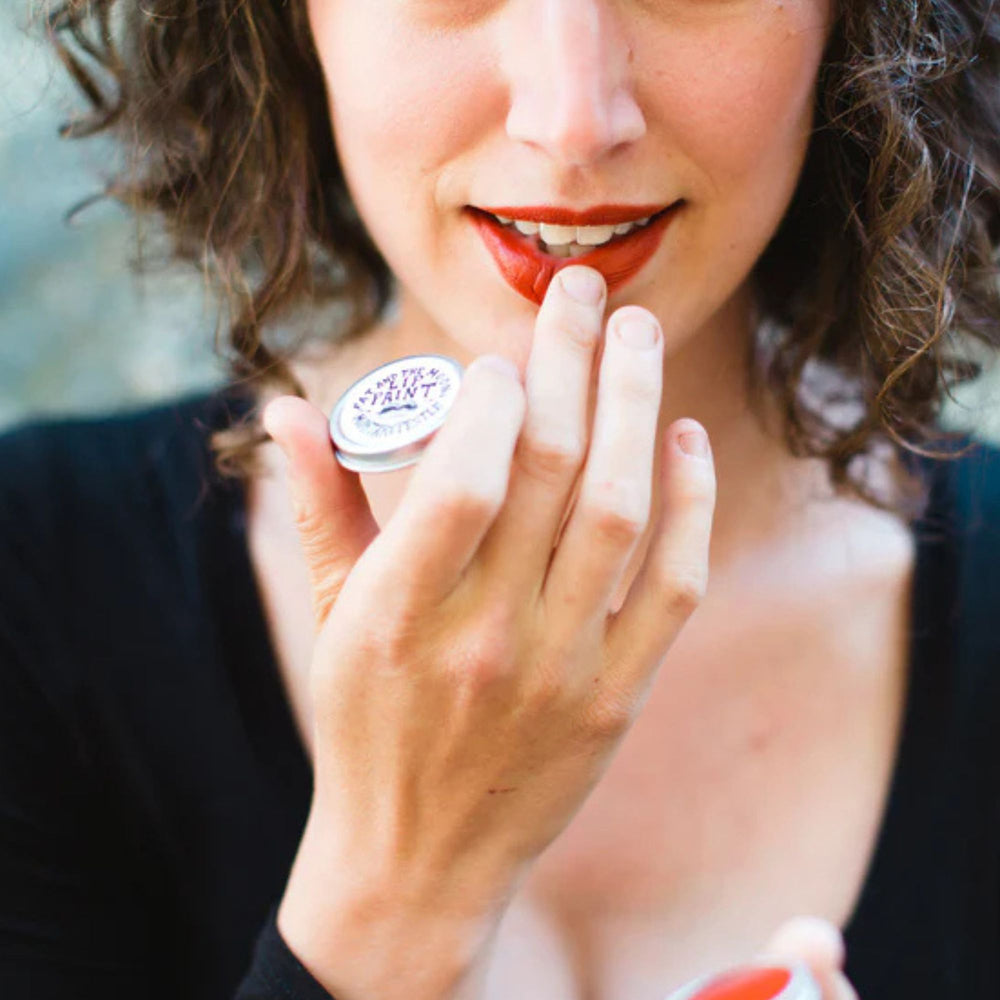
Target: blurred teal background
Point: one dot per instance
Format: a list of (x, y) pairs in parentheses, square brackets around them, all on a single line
[(79, 332)]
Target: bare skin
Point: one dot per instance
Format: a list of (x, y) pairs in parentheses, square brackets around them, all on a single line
[(777, 632), (629, 871), (721, 793)]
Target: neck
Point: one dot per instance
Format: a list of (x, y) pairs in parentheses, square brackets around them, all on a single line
[(763, 491)]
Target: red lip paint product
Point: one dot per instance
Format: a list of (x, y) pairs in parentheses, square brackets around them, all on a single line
[(528, 270), (386, 419), (753, 982)]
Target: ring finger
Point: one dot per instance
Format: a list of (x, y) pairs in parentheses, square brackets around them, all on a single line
[(613, 507)]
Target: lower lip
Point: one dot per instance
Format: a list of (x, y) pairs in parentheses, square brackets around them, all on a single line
[(529, 271)]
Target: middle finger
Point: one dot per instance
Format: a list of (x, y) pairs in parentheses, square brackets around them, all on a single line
[(553, 441)]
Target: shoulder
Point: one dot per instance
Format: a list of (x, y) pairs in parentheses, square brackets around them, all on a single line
[(99, 524), (53, 463)]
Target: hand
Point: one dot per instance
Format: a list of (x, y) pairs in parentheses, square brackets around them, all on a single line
[(820, 945), (469, 681)]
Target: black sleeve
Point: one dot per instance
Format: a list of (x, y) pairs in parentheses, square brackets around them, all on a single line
[(83, 913), (275, 973), (72, 916), (71, 925)]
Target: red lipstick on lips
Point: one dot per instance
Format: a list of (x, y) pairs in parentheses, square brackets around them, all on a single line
[(529, 270)]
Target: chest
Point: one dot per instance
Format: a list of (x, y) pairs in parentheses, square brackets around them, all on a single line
[(750, 789)]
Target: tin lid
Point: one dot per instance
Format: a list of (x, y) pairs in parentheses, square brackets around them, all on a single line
[(386, 419), (754, 982)]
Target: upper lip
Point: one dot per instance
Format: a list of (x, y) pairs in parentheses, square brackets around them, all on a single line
[(598, 215)]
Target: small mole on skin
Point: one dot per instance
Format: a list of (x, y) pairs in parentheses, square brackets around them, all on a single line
[(501, 791)]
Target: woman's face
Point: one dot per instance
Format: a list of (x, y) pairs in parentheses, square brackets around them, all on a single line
[(439, 105)]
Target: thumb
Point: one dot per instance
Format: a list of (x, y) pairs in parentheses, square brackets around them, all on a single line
[(334, 521), (819, 944)]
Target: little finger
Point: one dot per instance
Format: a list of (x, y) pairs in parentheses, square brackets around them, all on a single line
[(674, 575)]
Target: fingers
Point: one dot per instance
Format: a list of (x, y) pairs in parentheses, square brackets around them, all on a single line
[(820, 945), (331, 510), (458, 487), (612, 509), (553, 441), (674, 574)]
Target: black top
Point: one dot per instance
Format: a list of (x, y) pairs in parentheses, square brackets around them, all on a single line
[(153, 787)]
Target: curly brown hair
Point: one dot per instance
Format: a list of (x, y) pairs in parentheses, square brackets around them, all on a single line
[(881, 269)]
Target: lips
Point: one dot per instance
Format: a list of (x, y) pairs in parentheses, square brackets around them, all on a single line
[(529, 270)]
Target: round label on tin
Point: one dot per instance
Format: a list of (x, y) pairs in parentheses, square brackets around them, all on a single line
[(386, 418)]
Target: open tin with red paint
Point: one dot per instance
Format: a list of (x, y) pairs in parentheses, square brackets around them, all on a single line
[(753, 982)]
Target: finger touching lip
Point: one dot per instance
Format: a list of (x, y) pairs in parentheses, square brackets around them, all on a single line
[(529, 270)]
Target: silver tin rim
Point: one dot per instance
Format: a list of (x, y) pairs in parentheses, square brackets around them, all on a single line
[(801, 986), (360, 455)]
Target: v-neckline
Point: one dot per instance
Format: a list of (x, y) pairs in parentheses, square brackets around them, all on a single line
[(932, 595), (288, 768)]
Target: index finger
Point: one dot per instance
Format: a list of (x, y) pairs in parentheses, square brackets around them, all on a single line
[(459, 486)]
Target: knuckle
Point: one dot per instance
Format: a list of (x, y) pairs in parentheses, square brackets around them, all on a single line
[(479, 673), (616, 509), (465, 505), (616, 527), (608, 719), (683, 590), (486, 656), (548, 459)]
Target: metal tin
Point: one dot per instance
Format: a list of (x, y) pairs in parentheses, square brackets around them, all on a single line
[(386, 419), (763, 981)]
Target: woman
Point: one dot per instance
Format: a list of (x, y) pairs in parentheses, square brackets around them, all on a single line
[(549, 714)]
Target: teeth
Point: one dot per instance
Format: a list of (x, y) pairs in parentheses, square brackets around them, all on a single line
[(566, 241), (557, 236), (594, 236)]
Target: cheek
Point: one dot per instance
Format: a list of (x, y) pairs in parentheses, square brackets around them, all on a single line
[(402, 102), (740, 97)]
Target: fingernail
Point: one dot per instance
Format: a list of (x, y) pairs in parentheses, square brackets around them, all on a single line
[(582, 284), (637, 331), (267, 422), (693, 443)]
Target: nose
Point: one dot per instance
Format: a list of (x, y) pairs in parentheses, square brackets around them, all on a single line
[(569, 70)]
